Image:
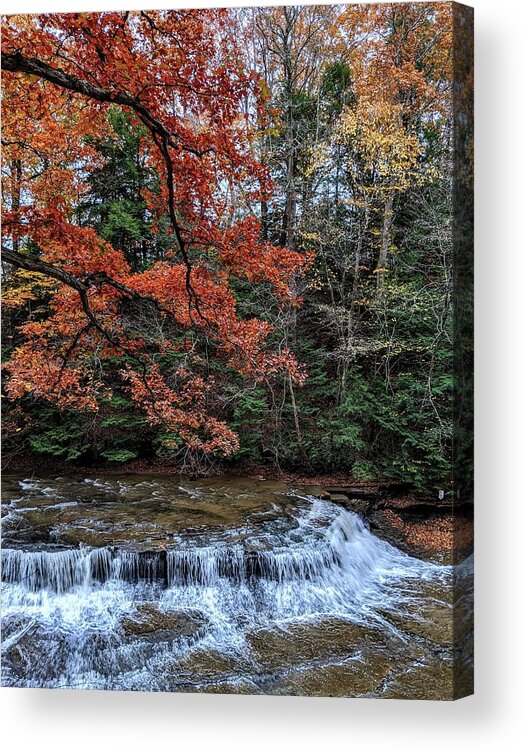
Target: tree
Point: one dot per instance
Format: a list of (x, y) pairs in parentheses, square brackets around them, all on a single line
[(115, 205), (180, 80)]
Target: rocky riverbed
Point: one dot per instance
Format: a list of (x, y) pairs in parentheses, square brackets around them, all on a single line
[(227, 584)]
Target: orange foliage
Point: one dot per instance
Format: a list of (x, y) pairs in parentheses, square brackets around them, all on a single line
[(181, 75), (401, 61)]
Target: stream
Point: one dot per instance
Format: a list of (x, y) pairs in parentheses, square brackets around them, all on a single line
[(227, 584)]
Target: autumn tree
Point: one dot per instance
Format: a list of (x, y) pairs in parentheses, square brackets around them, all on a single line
[(180, 79), (402, 69)]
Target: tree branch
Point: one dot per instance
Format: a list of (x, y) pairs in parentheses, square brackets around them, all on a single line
[(43, 267), (82, 286), (18, 63), (20, 261)]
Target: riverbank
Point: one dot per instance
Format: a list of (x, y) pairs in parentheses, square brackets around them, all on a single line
[(421, 525), (27, 463)]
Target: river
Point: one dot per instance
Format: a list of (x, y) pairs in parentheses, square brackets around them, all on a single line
[(227, 584)]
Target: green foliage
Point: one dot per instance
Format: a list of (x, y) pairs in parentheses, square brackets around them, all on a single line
[(117, 434), (119, 455), (335, 88), (167, 444), (116, 205), (249, 414), (364, 470), (63, 441), (377, 403)]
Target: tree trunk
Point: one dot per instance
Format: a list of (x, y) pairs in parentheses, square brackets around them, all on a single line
[(264, 220), (288, 225), (296, 421), (16, 177), (385, 240)]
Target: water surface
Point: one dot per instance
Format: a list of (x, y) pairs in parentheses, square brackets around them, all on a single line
[(217, 585)]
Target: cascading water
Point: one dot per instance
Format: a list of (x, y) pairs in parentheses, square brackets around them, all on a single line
[(222, 585)]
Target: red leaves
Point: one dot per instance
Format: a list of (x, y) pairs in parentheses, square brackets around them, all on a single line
[(242, 252), (183, 410), (181, 76), (76, 249), (36, 370)]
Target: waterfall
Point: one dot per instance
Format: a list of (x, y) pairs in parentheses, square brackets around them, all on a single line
[(83, 610), (346, 545), (57, 570)]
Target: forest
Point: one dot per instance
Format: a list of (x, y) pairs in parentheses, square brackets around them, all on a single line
[(228, 240)]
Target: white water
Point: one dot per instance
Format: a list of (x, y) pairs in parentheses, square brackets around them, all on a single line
[(321, 563)]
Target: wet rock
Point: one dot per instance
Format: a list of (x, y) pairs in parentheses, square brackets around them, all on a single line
[(231, 688), (428, 615), (432, 680), (313, 490), (301, 641), (355, 677), (149, 622), (463, 608), (13, 625), (272, 486), (207, 670), (359, 506), (32, 652), (211, 665), (141, 513), (431, 621), (464, 670), (352, 493), (339, 498), (21, 656)]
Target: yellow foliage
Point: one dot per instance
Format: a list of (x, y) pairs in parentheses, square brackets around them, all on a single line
[(387, 150), (24, 286)]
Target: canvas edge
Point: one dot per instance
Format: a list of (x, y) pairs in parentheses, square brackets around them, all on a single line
[(463, 327)]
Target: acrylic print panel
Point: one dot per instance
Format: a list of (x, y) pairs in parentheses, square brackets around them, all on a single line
[(237, 321)]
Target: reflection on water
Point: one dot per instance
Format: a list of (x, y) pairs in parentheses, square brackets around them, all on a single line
[(218, 585)]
